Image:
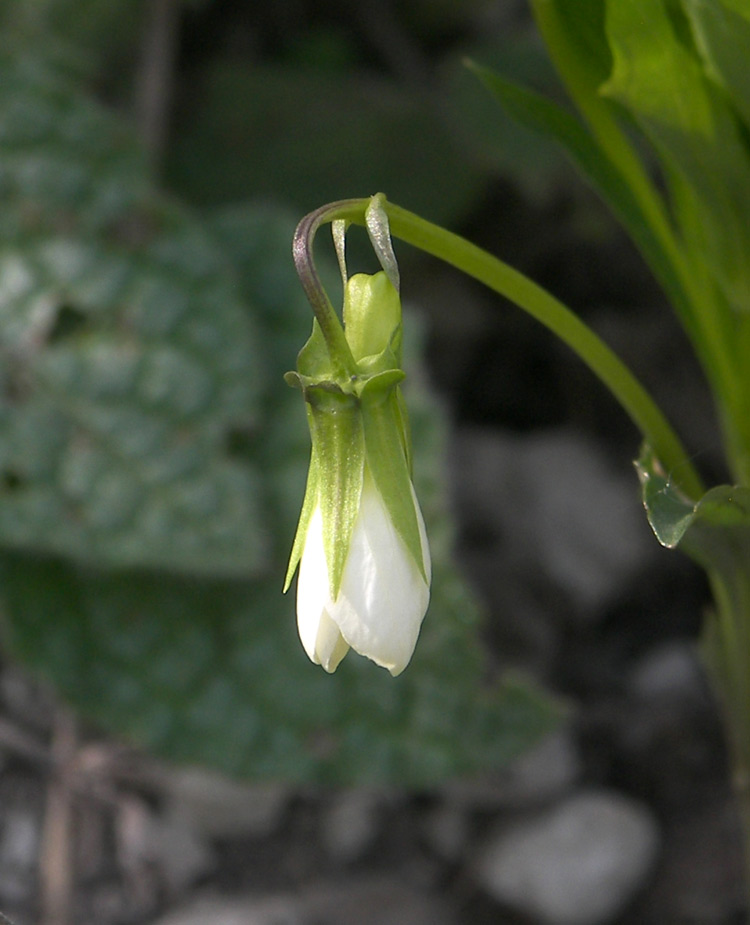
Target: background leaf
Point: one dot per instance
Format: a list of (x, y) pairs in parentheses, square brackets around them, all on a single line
[(127, 356), (542, 115), (87, 32), (280, 133), (213, 673), (152, 465)]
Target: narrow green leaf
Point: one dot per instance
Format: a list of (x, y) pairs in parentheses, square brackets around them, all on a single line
[(722, 31), (713, 325), (576, 39), (669, 512), (688, 119), (542, 115), (715, 531)]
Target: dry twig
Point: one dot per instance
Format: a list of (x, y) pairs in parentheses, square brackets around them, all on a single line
[(56, 872), (155, 78)]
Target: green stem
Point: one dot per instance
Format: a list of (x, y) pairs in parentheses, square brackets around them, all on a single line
[(516, 287), (726, 648)]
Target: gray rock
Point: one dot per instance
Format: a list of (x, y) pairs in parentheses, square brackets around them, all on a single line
[(544, 772), (446, 830), (371, 901), (223, 808), (169, 841), (701, 878), (556, 508), (25, 699), (577, 863), (19, 847), (671, 671), (184, 853), (352, 822), (250, 910), (375, 901)]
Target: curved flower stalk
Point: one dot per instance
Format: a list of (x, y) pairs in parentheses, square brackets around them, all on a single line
[(361, 545)]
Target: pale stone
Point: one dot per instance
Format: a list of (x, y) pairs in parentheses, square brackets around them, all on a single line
[(577, 863), (446, 830), (670, 671), (19, 846), (168, 840), (557, 507), (252, 910), (546, 771), (352, 823), (365, 901), (224, 808)]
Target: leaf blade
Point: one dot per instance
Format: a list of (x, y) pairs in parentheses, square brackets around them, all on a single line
[(661, 81), (542, 115), (133, 357)]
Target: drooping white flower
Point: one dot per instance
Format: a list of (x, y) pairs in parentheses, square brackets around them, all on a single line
[(361, 546), (383, 595)]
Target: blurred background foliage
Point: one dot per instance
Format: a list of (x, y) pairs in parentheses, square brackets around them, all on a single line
[(154, 157)]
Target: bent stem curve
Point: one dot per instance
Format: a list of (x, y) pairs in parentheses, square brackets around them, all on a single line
[(553, 314), (325, 314)]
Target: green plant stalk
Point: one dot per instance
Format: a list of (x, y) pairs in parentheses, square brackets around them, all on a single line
[(726, 652), (507, 282)]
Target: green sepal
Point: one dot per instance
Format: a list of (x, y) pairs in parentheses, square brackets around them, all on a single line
[(387, 458), (404, 429), (383, 382), (314, 360), (308, 506), (294, 380), (335, 478), (338, 454), (380, 383)]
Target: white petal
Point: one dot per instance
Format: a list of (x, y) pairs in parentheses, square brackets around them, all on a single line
[(319, 635), (383, 596), (330, 645)]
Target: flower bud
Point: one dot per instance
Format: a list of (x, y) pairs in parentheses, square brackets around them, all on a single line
[(361, 544)]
